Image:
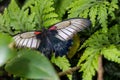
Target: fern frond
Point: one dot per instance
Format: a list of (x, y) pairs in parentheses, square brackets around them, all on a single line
[(97, 11), (89, 69), (84, 14), (114, 34), (112, 6), (89, 59), (61, 6), (97, 40), (106, 44), (2, 23), (18, 19), (50, 15), (93, 14), (44, 13), (86, 54), (47, 10), (90, 65), (102, 16), (78, 7), (111, 53), (94, 44), (9, 15), (62, 63), (50, 21)]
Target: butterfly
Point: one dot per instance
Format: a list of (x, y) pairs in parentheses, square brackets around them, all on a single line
[(57, 38)]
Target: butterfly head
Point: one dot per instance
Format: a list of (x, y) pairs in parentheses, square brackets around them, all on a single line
[(39, 32)]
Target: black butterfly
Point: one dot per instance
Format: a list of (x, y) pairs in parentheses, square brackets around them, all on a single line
[(57, 38)]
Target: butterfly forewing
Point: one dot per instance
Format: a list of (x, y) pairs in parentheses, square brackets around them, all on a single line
[(68, 28), (27, 39)]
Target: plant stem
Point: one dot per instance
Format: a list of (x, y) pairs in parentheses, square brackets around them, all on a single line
[(69, 71), (100, 68)]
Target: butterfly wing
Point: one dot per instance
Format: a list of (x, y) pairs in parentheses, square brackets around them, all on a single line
[(68, 28), (27, 39), (65, 31), (57, 40)]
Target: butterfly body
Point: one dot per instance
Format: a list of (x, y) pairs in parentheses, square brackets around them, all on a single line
[(57, 39), (49, 43)]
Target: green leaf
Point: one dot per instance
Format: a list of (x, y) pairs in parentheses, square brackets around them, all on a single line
[(112, 7), (84, 14), (111, 53), (32, 65), (5, 52), (89, 63), (103, 16), (62, 63), (78, 6), (17, 19), (114, 34), (89, 59), (93, 14), (61, 6), (98, 40), (44, 14)]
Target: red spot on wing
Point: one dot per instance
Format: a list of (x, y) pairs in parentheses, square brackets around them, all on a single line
[(37, 32), (52, 28)]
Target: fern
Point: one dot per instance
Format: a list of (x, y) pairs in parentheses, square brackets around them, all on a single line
[(114, 35), (17, 19), (35, 14), (98, 11), (97, 40), (78, 7), (112, 6), (91, 64), (106, 44), (85, 13), (4, 28), (62, 63), (61, 6), (41, 15), (102, 16), (89, 59), (93, 14), (44, 11), (111, 53)]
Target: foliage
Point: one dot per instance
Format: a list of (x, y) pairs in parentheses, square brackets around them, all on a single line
[(61, 6), (98, 44), (1, 0), (16, 19), (45, 14), (5, 52), (97, 10), (63, 63), (103, 38), (23, 66)]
